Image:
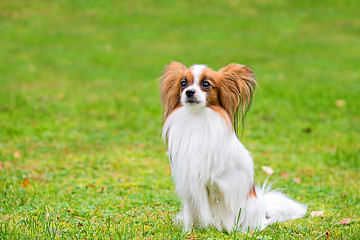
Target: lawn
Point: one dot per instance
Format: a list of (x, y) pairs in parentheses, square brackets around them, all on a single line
[(80, 119)]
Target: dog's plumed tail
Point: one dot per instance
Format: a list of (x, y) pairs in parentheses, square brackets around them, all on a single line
[(269, 206)]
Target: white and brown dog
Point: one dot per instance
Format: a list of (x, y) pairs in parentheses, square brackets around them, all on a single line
[(212, 170)]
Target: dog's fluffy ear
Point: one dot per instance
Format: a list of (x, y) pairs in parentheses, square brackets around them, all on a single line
[(237, 90), (170, 87)]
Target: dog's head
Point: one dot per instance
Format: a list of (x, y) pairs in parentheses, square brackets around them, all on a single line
[(230, 89)]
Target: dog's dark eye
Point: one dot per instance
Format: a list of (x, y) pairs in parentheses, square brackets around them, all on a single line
[(205, 84), (183, 83)]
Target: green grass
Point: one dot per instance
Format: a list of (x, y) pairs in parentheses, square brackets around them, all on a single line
[(80, 120)]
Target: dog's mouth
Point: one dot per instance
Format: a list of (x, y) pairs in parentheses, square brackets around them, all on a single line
[(192, 101)]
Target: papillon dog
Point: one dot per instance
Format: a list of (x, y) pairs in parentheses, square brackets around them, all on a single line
[(212, 170)]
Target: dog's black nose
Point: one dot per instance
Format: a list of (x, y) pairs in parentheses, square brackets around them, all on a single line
[(190, 92)]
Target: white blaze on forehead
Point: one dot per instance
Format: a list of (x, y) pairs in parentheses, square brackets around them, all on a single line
[(199, 96), (197, 70)]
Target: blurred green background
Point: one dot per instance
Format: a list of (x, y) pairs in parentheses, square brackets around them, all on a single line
[(80, 118)]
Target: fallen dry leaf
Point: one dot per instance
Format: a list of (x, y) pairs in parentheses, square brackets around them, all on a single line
[(316, 213), (267, 169), (26, 182), (285, 175), (340, 103), (345, 221), (16, 154), (296, 179)]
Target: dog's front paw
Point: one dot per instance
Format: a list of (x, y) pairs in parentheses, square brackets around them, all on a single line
[(187, 229), (184, 221)]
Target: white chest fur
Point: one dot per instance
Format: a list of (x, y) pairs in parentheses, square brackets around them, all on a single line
[(203, 149), (197, 143)]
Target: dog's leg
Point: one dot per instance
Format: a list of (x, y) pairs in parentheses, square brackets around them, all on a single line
[(227, 194), (224, 217), (214, 198), (188, 217), (205, 216)]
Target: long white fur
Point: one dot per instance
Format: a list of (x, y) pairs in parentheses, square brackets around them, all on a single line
[(213, 172)]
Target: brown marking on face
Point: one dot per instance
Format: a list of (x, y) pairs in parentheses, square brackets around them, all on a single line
[(170, 87), (212, 93), (189, 78)]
